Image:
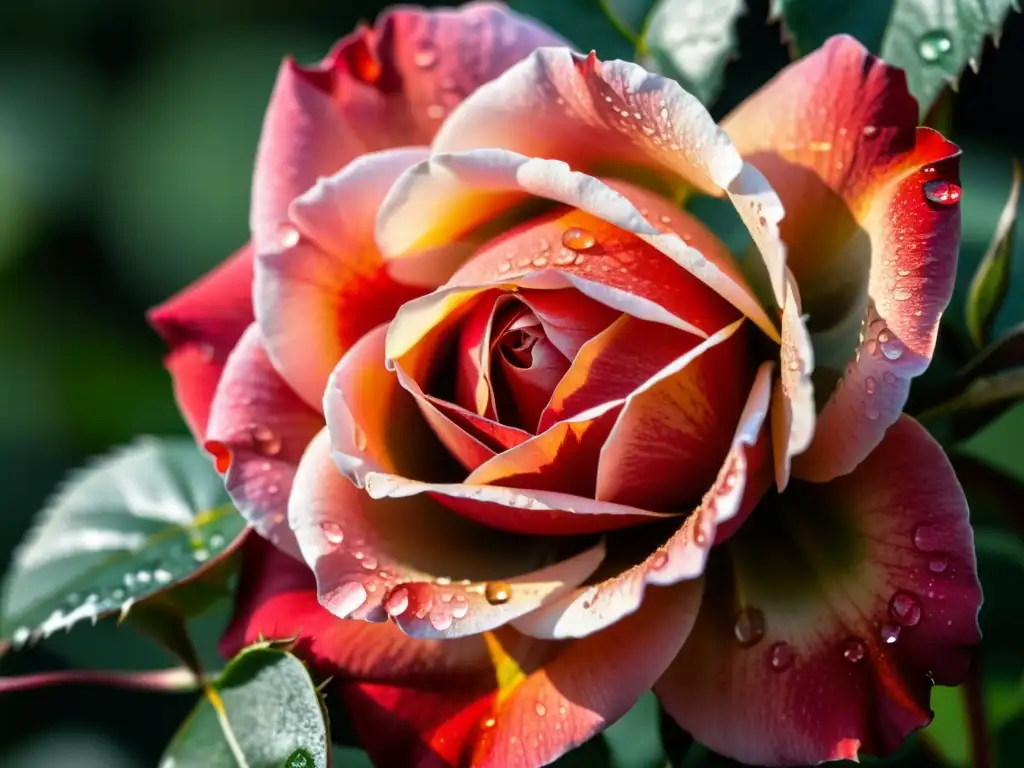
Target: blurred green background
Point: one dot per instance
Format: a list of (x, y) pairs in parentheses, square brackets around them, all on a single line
[(127, 132)]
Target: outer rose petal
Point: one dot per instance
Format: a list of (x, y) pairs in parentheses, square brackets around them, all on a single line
[(836, 135), (611, 116), (258, 431), (201, 326), (363, 403), (867, 591), (478, 700), (379, 88), (588, 609), (323, 286), (432, 221)]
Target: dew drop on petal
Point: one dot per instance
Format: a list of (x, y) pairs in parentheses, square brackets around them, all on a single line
[(853, 650), (905, 608), (287, 235), (890, 633), (659, 560), (938, 563), (460, 607), (942, 192), (901, 294), (749, 627), (540, 709), (425, 56), (497, 592), (346, 598), (397, 601), (578, 239), (370, 563), (441, 620), (870, 385), (265, 441), (332, 532), (780, 656)]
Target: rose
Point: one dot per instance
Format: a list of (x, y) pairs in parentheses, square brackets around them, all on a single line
[(511, 357)]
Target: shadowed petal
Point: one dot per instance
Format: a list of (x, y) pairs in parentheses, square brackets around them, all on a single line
[(793, 406), (827, 618), (381, 87), (201, 325), (258, 431), (588, 609), (324, 286)]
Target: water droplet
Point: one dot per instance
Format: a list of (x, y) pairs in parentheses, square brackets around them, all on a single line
[(540, 709), (21, 636), (749, 627), (925, 538), (265, 441), (932, 46), (460, 607), (200, 555), (870, 130), (346, 598), (216, 541), (162, 576), (890, 633), (497, 592), (488, 723), (505, 266), (440, 620), (425, 56), (905, 609), (300, 758), (700, 538), (901, 294), (358, 437), (370, 563), (942, 192), (332, 532), (888, 377), (659, 560), (938, 563), (540, 261), (853, 650), (780, 656), (870, 385), (578, 239), (396, 602), (892, 349), (287, 235)]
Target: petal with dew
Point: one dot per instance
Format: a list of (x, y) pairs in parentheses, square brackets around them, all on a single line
[(201, 325), (430, 223), (682, 557), (258, 431), (828, 617), (412, 561), (380, 87), (325, 286)]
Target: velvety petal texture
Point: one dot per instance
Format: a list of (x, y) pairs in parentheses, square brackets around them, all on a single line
[(829, 616), (381, 87), (201, 325), (872, 228)]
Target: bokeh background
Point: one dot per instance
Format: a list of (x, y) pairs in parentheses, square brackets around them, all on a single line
[(127, 133)]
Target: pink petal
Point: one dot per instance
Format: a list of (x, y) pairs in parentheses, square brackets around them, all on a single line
[(363, 403), (201, 325), (793, 406), (529, 387), (258, 431), (431, 221), (836, 135), (378, 88), (866, 593), (324, 286), (682, 558)]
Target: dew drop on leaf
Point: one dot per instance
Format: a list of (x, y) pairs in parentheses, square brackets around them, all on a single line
[(934, 45)]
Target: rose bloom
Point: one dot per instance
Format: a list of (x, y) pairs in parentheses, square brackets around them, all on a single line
[(523, 440)]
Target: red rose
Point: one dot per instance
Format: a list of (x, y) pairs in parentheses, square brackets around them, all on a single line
[(526, 438)]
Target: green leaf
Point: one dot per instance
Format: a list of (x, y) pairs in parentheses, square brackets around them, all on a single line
[(991, 280), (263, 712), (692, 41), (136, 523), (584, 23), (933, 40)]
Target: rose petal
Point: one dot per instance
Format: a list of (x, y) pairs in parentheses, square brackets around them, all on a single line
[(201, 325), (414, 562), (325, 285), (364, 402), (430, 224), (867, 592), (836, 135), (673, 432), (258, 430), (614, 363), (794, 411), (588, 609), (379, 88), (529, 387)]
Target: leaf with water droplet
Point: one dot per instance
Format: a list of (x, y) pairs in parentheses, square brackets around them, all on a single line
[(262, 712), (145, 509), (991, 281), (692, 41)]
